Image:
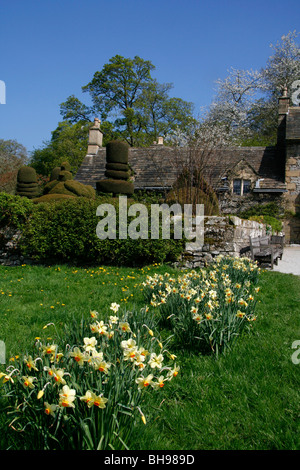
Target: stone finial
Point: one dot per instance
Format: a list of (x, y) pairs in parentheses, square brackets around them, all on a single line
[(97, 123), (284, 92)]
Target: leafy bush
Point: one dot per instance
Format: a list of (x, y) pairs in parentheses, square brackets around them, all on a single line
[(273, 225), (14, 210), (208, 309), (270, 209), (65, 231), (83, 390)]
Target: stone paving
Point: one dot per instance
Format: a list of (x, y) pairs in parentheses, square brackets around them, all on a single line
[(290, 263)]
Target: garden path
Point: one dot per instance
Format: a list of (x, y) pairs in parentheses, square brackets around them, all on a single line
[(290, 263)]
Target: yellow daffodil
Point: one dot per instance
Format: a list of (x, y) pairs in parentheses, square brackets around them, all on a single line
[(160, 382), (173, 372), (50, 409), (144, 382), (93, 314), (78, 356), (67, 397), (6, 377), (92, 399), (30, 363), (124, 326), (240, 314), (28, 381)]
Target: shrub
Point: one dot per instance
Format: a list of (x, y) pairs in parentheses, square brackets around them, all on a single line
[(117, 152), (117, 181), (53, 198), (55, 173), (83, 389), (66, 231), (62, 183), (27, 185), (115, 186), (65, 175), (14, 210), (273, 225)]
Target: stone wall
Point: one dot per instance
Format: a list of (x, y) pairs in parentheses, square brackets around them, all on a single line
[(228, 236)]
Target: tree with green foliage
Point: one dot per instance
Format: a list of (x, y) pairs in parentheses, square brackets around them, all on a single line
[(68, 142), (133, 106)]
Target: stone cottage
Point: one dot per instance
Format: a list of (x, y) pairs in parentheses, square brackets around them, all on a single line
[(241, 176)]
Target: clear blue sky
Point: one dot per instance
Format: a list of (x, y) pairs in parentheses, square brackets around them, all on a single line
[(49, 49)]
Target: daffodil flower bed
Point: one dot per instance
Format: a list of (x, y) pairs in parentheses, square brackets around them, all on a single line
[(85, 390), (207, 308)]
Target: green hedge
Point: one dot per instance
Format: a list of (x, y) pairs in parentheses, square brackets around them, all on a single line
[(65, 231)]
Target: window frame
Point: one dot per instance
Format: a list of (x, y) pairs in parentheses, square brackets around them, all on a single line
[(241, 182)]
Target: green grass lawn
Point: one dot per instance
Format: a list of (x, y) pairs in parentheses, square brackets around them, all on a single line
[(248, 399)]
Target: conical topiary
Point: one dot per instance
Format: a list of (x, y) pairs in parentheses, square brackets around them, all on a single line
[(27, 185), (117, 170)]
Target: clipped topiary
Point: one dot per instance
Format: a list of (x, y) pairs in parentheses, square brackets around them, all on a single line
[(65, 166), (117, 166), (115, 186), (63, 184), (117, 152), (118, 175), (117, 170), (65, 175), (27, 185), (55, 173), (80, 189)]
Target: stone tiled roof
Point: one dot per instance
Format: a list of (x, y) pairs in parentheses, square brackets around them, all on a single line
[(159, 166)]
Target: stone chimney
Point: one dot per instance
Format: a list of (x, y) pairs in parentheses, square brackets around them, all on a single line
[(95, 138)]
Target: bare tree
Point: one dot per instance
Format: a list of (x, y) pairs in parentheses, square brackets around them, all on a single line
[(12, 156)]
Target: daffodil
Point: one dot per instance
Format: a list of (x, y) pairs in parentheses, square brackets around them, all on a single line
[(144, 382), (79, 356), (124, 326), (30, 363), (101, 366), (90, 344), (128, 344), (67, 397), (101, 328), (58, 376), (49, 349), (114, 307), (92, 399), (6, 377), (240, 314), (160, 382), (28, 381), (113, 319), (156, 361), (173, 372), (50, 409)]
